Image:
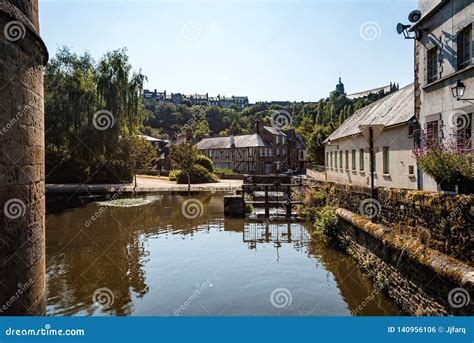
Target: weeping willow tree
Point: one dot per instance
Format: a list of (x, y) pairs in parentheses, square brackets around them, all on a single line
[(76, 90), (119, 91)]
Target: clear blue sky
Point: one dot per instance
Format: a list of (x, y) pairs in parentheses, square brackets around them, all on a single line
[(268, 50)]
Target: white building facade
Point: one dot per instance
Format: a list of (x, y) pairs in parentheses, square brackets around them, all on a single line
[(347, 150), (444, 52)]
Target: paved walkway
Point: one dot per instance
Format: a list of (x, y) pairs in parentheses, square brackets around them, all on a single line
[(146, 184)]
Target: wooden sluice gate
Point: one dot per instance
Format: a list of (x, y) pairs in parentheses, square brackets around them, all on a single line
[(272, 192)]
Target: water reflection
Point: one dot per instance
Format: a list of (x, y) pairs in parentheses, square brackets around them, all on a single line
[(276, 233), (154, 259)]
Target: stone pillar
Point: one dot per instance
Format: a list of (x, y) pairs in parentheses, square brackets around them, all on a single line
[(22, 207)]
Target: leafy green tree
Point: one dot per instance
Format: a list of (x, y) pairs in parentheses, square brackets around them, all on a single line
[(201, 130), (215, 118), (184, 158), (139, 155), (316, 143), (76, 88), (306, 128)]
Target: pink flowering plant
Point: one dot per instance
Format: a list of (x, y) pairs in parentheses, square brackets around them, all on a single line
[(446, 161)]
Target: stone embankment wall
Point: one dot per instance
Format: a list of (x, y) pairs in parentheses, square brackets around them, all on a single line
[(418, 244), (444, 223), (22, 203), (423, 281)]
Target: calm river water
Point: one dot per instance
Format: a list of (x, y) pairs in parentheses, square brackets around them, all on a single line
[(151, 260)]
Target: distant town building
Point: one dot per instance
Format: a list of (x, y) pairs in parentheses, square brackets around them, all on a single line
[(239, 102), (444, 55), (392, 87), (267, 150), (347, 150)]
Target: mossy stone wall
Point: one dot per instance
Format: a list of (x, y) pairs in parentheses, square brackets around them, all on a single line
[(444, 223)]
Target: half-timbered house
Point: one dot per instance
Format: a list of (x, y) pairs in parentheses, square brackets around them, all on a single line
[(267, 150)]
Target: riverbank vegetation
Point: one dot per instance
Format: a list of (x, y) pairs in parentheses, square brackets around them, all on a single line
[(321, 214), (191, 168), (93, 113)]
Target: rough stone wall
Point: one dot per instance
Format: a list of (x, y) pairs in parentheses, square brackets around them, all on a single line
[(445, 223), (22, 174), (421, 281)]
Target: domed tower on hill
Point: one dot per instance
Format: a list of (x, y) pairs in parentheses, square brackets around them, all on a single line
[(340, 87)]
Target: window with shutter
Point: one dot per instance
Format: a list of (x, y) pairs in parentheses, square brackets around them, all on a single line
[(386, 160), (464, 47), (463, 131), (432, 133), (432, 67), (353, 160)]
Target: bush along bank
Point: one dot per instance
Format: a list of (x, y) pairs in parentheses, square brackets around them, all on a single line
[(200, 172), (421, 279)]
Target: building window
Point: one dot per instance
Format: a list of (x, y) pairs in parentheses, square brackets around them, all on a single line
[(432, 67), (327, 160), (347, 159), (464, 131), (411, 170), (340, 160), (361, 160), (353, 160), (411, 129), (330, 157), (250, 152), (386, 160), (432, 133), (335, 162), (464, 46), (374, 161)]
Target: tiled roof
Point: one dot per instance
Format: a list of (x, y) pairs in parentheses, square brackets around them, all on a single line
[(393, 109), (244, 141), (367, 92), (274, 131)]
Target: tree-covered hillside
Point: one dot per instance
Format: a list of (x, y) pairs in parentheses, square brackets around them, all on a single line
[(315, 121)]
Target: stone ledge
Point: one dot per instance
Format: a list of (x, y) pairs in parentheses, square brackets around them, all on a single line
[(446, 266)]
